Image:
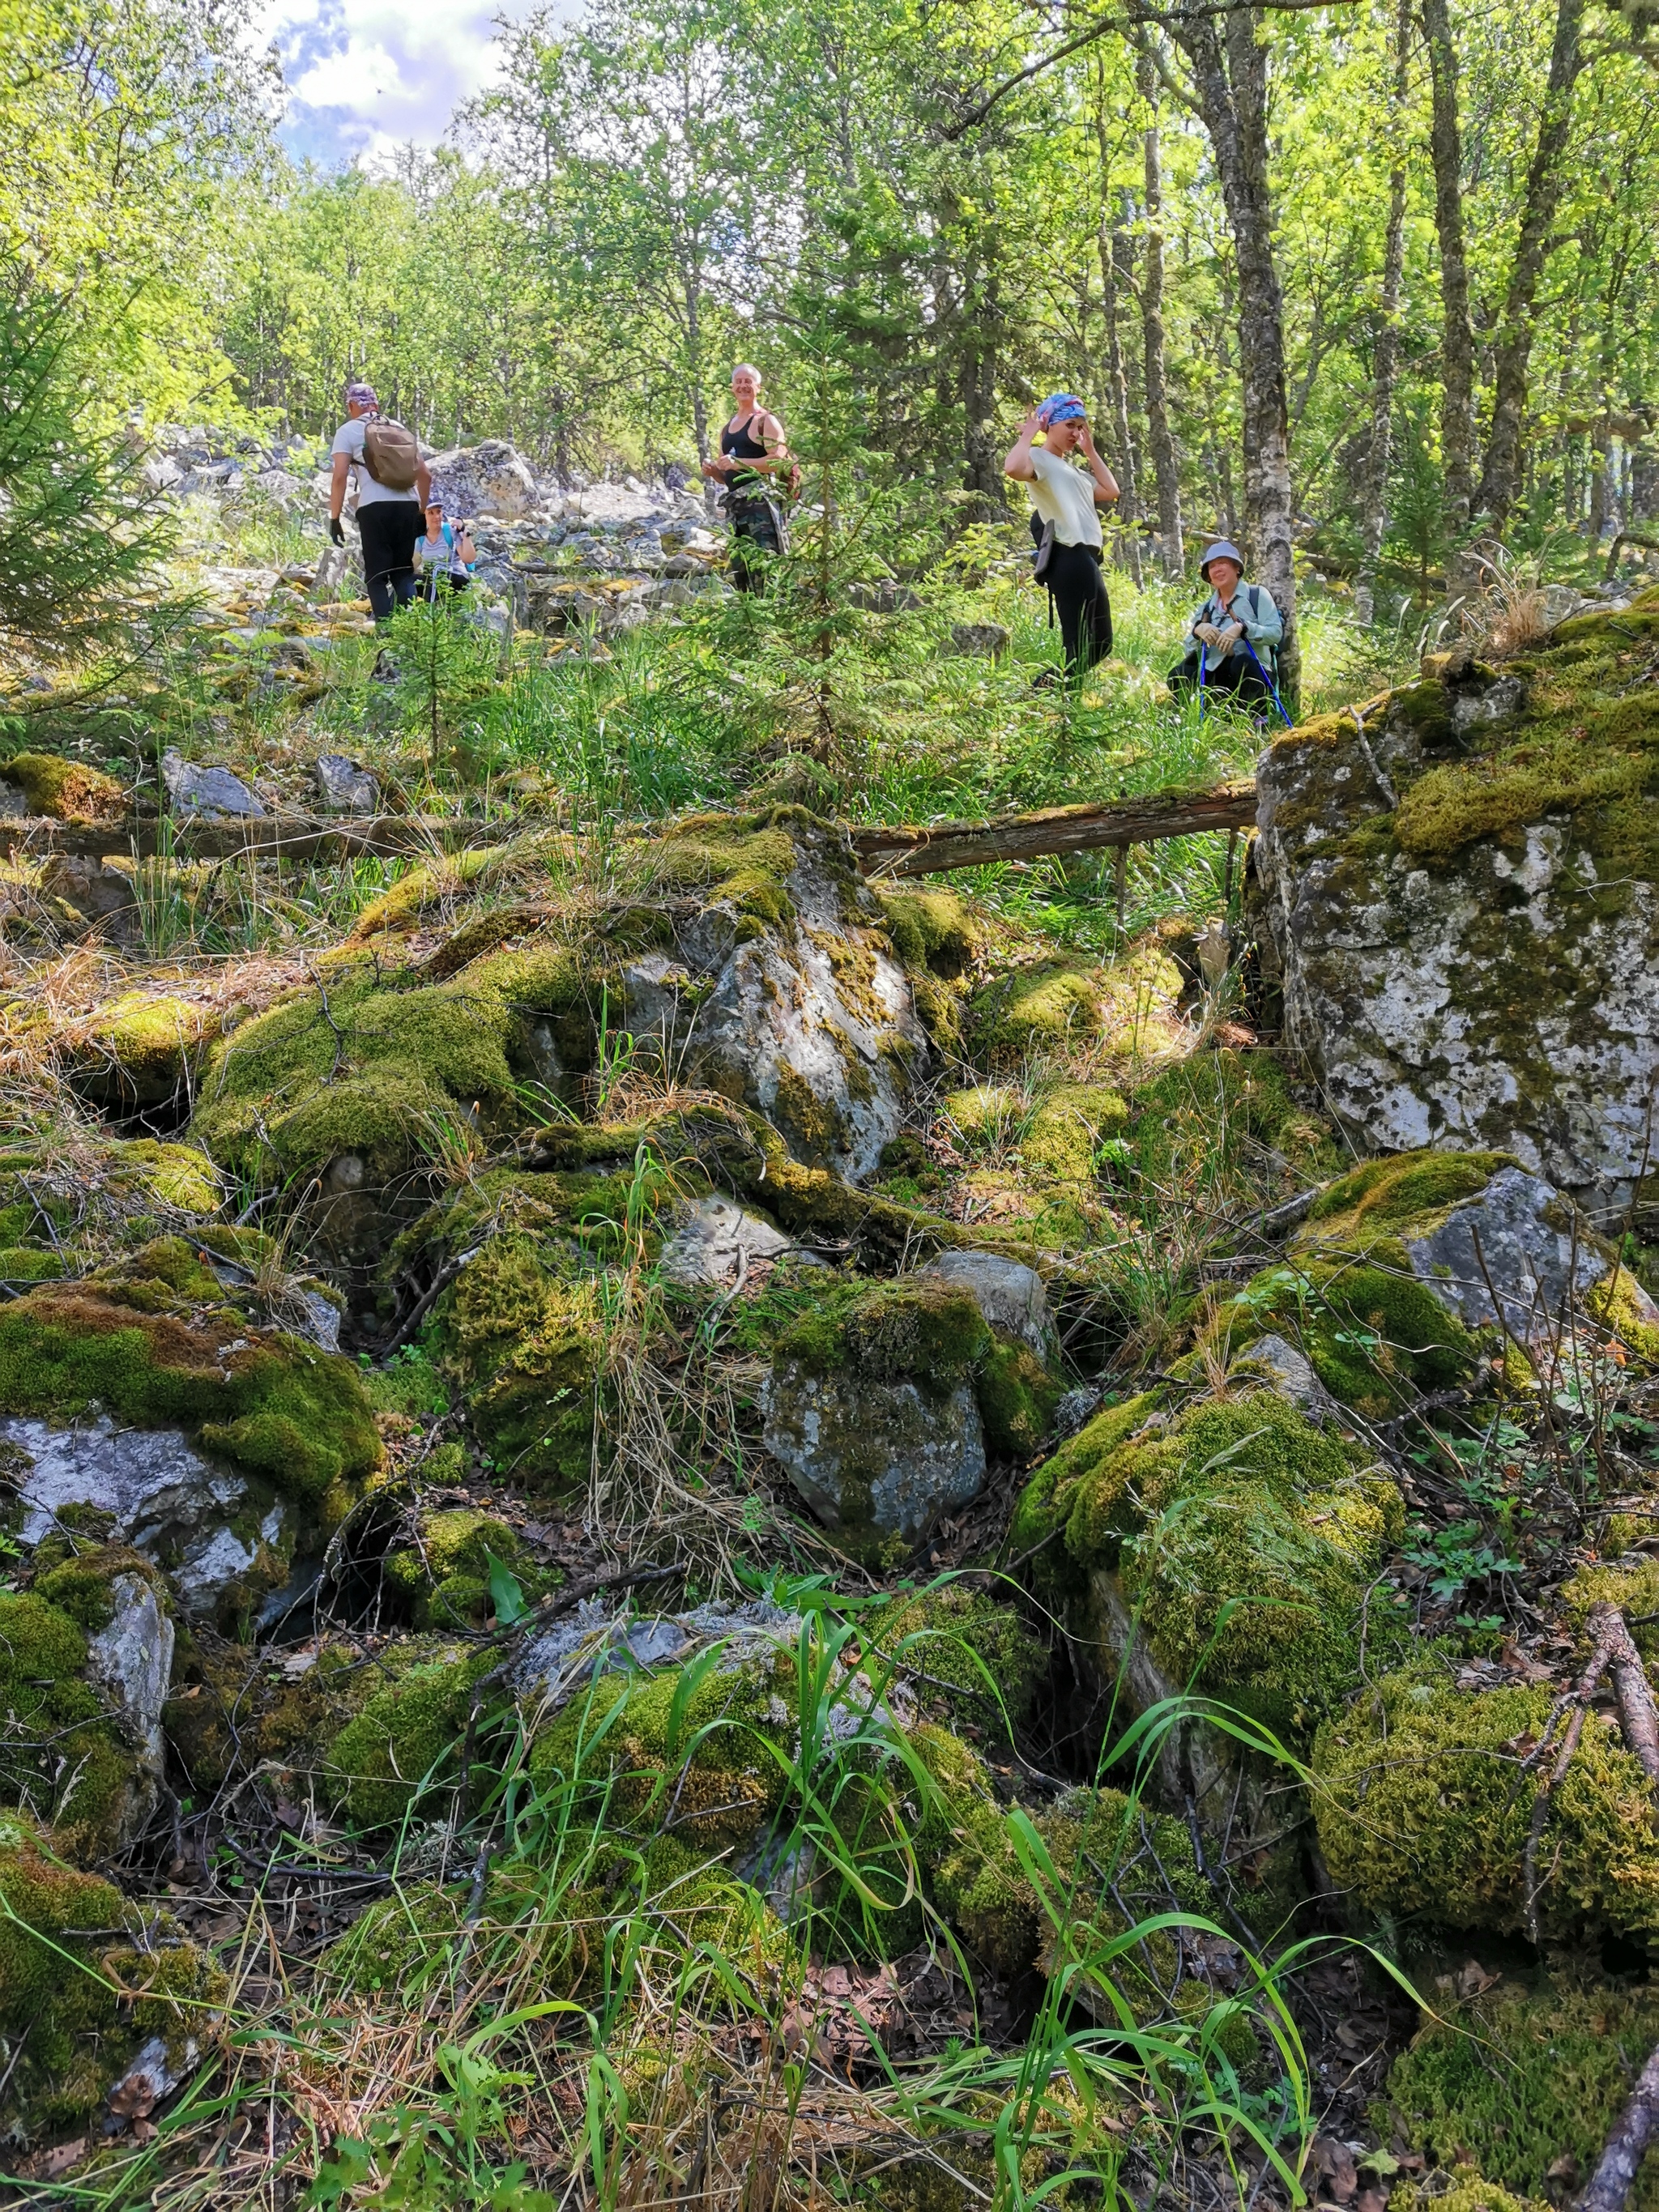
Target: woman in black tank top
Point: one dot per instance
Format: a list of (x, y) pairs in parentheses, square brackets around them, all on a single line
[(752, 447)]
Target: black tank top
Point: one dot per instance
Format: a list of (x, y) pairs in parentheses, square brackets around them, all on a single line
[(735, 441)]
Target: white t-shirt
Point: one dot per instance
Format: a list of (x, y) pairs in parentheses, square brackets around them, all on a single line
[(1065, 497), (349, 440)]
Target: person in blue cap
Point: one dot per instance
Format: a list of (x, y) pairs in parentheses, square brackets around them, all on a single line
[(1234, 635), (1066, 523)]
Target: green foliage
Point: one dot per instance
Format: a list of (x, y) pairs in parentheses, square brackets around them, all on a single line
[(1526, 2078)]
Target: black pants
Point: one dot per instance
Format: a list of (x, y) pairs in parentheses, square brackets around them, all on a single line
[(390, 527), (1078, 590), (1234, 678)]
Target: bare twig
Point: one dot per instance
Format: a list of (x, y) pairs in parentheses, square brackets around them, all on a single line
[(1633, 2131)]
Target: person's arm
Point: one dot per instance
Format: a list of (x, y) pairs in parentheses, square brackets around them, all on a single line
[(1269, 629), (1018, 463), (423, 486), (468, 551), (1106, 486), (338, 483)]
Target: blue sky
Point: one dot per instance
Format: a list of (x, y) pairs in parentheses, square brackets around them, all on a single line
[(365, 75)]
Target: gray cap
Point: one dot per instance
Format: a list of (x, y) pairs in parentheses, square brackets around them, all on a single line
[(1222, 548)]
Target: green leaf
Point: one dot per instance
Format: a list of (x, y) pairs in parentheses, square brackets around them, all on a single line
[(505, 1594)]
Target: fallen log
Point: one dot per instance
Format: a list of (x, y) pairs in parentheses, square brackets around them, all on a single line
[(287, 837), (884, 851), (1633, 2132)]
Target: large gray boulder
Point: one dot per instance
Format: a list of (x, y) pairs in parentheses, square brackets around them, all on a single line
[(1009, 1294), (492, 478), (1469, 946), (866, 1453), (808, 1018), (222, 1539)]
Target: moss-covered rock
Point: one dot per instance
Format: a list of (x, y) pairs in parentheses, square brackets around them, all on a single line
[(1466, 2189), (143, 1349), (85, 1980), (64, 790), (977, 1654), (443, 1572), (1422, 1808), (68, 1760), (1235, 1541), (139, 1049), (406, 1741), (1495, 830), (1526, 2082), (1064, 1001)]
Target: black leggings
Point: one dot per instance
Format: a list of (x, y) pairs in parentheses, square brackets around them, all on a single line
[(1234, 676), (1078, 590), (390, 527)]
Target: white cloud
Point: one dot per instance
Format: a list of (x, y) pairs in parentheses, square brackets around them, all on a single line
[(366, 76)]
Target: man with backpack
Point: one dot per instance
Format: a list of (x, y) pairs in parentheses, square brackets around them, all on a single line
[(392, 491), (1234, 636)]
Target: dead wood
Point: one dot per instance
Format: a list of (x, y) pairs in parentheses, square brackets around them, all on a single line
[(1633, 2131), (905, 852)]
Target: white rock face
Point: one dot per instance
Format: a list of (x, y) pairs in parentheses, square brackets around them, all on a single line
[(811, 1021), (209, 1527), (130, 1660), (492, 478), (1504, 997)]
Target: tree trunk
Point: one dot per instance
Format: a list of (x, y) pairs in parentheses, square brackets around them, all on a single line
[(1457, 333), (1500, 478), (1166, 472), (1374, 499), (1112, 246), (1232, 99)]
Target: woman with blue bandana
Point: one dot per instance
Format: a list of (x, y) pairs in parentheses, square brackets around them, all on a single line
[(1066, 523)]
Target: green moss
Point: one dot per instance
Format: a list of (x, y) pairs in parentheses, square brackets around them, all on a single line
[(933, 932), (1421, 1808), (176, 1174), (65, 790), (379, 1072), (1407, 1192), (740, 862), (429, 883), (918, 1328), (1017, 1396), (697, 1765), (406, 1739), (69, 1759), (1055, 1002), (76, 1577), (138, 1048), (1063, 1137), (55, 2010), (1243, 1538), (409, 1383), (274, 1404), (444, 1575), (1614, 1303), (1203, 1123), (956, 1635), (1524, 2079), (1466, 2191)]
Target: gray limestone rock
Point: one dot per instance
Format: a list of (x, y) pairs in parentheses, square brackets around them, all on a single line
[(1514, 1246), (889, 1456), (1009, 1294), (154, 2074), (987, 640), (192, 789), (1292, 1376), (492, 478), (216, 1534), (716, 1243), (130, 1660), (344, 786), (1503, 997)]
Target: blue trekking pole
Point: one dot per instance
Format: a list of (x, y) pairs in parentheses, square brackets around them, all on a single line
[(1201, 679), (1268, 680)]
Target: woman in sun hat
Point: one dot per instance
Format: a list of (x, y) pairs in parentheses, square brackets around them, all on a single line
[(1066, 523), (1234, 636)]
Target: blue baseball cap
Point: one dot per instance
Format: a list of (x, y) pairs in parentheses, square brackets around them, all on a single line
[(1061, 407)]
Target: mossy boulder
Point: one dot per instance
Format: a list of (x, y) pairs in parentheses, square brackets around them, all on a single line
[(1064, 1001), (982, 1660), (1460, 896), (1422, 1808), (442, 1573), (406, 1741), (71, 1760), (1225, 1547), (138, 1050), (1036, 1152), (942, 942), (1408, 1270), (86, 1979), (1526, 2081), (871, 1408), (64, 790)]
